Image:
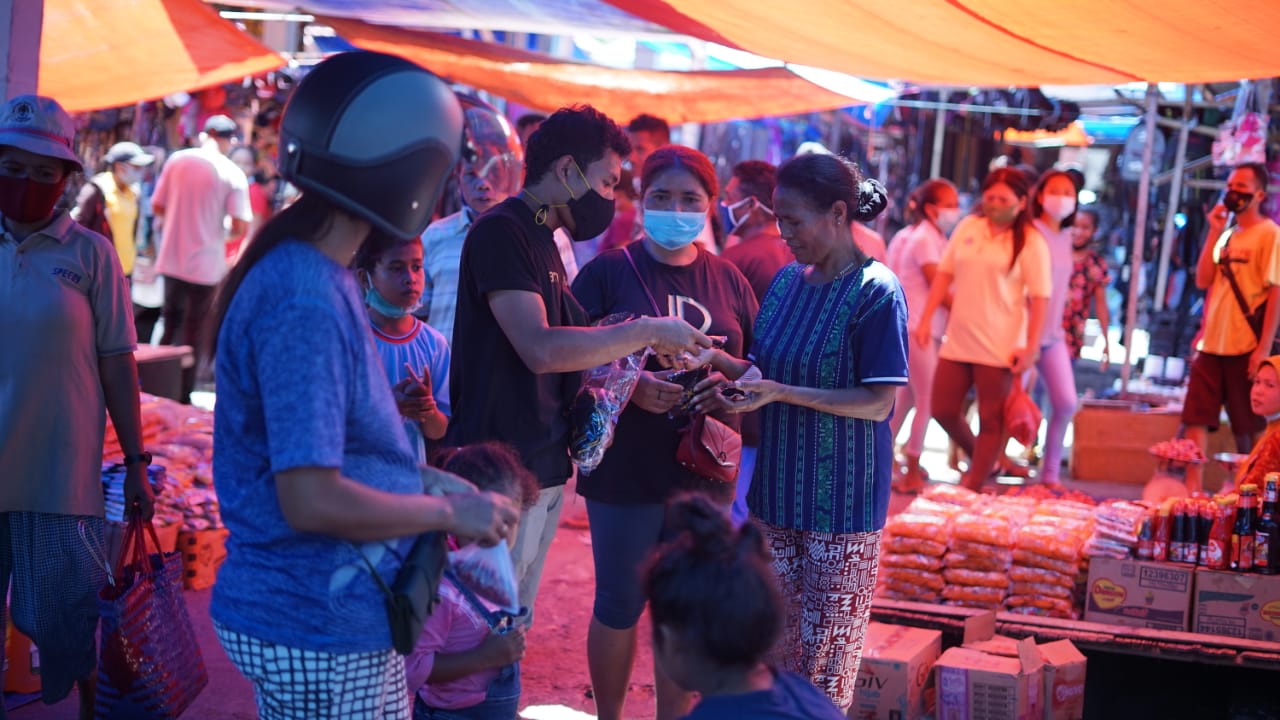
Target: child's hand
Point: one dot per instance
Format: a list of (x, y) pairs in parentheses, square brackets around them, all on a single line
[(502, 649), (413, 395)]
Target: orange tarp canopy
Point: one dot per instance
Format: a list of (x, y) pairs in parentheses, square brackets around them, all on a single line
[(106, 53), (544, 83), (994, 42), (1072, 136)]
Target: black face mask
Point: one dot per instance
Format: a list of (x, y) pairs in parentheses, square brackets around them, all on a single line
[(1236, 201), (592, 212)]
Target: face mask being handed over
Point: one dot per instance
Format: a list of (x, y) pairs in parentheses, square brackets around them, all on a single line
[(26, 201), (385, 307), (672, 229), (947, 219), (1236, 201), (592, 212), (1058, 207)]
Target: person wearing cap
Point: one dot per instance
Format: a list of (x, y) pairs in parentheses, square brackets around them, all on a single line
[(108, 203), (198, 190), (68, 361)]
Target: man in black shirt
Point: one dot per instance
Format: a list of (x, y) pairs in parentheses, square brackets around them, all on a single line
[(519, 344)]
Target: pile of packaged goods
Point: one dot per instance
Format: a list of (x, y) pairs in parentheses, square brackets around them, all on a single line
[(180, 439), (1048, 559), (1021, 552), (1117, 529)]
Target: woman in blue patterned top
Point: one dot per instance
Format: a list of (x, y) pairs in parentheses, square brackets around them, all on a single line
[(830, 342)]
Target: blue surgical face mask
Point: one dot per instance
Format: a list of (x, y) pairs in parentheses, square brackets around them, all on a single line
[(385, 307), (673, 229)]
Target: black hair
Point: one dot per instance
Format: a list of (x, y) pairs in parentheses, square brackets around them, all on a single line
[(758, 179), (377, 245), (679, 157), (1259, 171), (580, 131), (1020, 184), (825, 180), (1036, 207), (714, 586), (309, 217), (927, 193), (1093, 215), (645, 122), (495, 467), (528, 119)]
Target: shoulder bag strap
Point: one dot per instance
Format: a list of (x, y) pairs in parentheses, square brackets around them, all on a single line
[(631, 261), (1235, 286)]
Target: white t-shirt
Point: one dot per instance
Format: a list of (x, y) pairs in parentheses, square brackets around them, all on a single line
[(911, 250), (198, 188), (1061, 265), (989, 311)]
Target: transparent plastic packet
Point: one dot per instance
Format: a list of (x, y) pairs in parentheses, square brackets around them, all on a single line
[(489, 573), (605, 391)]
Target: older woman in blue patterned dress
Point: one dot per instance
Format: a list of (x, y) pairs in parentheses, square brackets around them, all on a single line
[(830, 344)]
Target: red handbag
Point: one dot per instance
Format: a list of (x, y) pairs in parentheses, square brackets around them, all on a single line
[(710, 449), (150, 666)]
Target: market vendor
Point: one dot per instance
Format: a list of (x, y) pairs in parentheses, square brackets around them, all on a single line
[(68, 360), (1264, 399)]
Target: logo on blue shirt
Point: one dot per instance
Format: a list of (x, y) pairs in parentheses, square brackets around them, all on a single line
[(66, 274)]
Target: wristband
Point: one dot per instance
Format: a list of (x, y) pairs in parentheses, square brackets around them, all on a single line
[(143, 457)]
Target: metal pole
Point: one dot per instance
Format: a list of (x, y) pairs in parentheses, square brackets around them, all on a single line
[(939, 136), (1139, 238), (1175, 199)]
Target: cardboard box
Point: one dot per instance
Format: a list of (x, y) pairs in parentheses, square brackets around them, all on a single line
[(1064, 674), (1242, 605), (975, 683), (895, 678), (1139, 593), (1111, 444), (202, 554)]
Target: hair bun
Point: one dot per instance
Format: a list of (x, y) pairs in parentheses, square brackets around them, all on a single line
[(706, 525), (872, 200)]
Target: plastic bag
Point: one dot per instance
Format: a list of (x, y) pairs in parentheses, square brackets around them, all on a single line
[(1021, 415), (918, 525), (1040, 576), (605, 391), (1041, 590), (950, 495), (921, 578), (905, 591), (489, 573), (1053, 606), (911, 561), (1049, 541), (1035, 560), (958, 576), (982, 563), (980, 529), (913, 546), (983, 596), (983, 550)]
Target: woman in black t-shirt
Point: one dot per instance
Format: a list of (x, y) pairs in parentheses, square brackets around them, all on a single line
[(663, 273)]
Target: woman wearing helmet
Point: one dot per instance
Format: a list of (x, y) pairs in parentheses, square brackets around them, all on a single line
[(317, 482)]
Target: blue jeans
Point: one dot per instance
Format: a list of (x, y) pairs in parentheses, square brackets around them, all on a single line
[(501, 702)]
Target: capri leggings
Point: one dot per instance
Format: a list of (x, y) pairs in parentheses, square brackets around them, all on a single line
[(622, 536)]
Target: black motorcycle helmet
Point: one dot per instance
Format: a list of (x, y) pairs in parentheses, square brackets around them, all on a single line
[(375, 134)]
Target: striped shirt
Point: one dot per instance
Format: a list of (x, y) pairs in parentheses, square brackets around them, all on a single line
[(816, 471), (441, 256)]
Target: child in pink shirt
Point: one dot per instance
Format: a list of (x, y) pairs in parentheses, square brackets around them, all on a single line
[(466, 665)]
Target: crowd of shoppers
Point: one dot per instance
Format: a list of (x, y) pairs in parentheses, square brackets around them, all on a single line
[(356, 350)]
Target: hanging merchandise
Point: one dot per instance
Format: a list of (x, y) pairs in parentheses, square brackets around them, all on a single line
[(1243, 138)]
